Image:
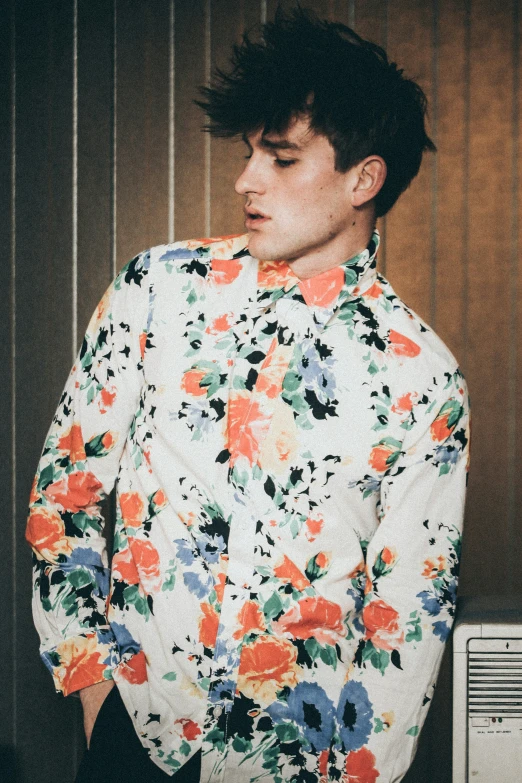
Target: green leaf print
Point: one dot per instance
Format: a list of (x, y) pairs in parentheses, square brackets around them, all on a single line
[(273, 607)]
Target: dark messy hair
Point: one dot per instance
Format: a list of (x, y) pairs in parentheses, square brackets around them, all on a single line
[(352, 94)]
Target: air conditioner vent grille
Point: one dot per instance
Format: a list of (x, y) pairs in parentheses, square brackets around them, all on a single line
[(495, 683)]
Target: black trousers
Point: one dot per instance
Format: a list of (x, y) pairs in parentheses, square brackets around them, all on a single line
[(116, 755)]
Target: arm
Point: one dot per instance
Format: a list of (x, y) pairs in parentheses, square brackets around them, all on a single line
[(412, 568), (77, 470)]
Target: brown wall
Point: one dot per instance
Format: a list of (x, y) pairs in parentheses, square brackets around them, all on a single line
[(101, 156)]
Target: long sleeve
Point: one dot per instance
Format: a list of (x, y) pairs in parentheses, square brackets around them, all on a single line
[(78, 468), (411, 579)]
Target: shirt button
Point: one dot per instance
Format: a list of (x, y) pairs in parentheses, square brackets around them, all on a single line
[(218, 711)]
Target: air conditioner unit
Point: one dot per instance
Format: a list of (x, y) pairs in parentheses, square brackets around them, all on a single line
[(487, 691)]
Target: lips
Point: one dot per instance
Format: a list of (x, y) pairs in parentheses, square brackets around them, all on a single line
[(252, 212), (254, 217)]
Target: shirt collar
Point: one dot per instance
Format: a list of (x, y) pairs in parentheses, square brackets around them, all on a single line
[(325, 291)]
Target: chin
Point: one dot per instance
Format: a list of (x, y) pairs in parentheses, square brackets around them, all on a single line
[(262, 248)]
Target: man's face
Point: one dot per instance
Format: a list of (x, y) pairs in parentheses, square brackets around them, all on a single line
[(298, 207)]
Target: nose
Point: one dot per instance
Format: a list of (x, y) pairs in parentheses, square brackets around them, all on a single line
[(249, 181)]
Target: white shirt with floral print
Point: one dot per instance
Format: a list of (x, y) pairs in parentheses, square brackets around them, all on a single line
[(290, 460)]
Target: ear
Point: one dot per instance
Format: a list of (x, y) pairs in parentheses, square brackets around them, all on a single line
[(371, 173)]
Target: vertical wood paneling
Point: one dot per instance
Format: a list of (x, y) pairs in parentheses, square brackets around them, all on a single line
[(449, 316), (191, 72), (451, 248), (227, 158), (43, 350), (408, 225), (7, 152), (370, 20), (95, 95), (142, 40), (488, 305), (516, 456)]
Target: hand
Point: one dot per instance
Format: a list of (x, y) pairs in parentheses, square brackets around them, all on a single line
[(92, 699)]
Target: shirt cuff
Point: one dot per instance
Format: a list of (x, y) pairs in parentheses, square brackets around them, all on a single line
[(82, 660)]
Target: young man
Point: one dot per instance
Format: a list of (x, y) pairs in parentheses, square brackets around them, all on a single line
[(290, 448)]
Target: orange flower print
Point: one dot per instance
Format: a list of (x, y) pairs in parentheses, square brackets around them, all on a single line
[(147, 562), (382, 626), (72, 442), (250, 619), (143, 343), (132, 509), (191, 380), (388, 556), (229, 245), (323, 766), (322, 560), (321, 290), (281, 443), (314, 618), (221, 324), (80, 663), (384, 454), (267, 666), (190, 728), (403, 404), (134, 670), (108, 440), (313, 528), (400, 345), (159, 500), (287, 571), (208, 625), (360, 767), (247, 426), (188, 518), (76, 492), (45, 532), (275, 274), (106, 398), (446, 421), (273, 370), (224, 270), (434, 567), (374, 292), (219, 587), (124, 567)]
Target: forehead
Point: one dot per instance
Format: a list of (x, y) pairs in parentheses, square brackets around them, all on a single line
[(298, 134), (298, 137)]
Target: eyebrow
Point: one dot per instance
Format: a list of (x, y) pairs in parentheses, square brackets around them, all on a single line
[(281, 144)]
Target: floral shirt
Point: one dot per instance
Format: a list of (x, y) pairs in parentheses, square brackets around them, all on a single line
[(290, 460)]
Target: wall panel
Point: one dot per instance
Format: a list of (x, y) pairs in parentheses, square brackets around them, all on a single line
[(227, 23), (7, 574), (142, 126), (515, 457), (192, 185), (451, 187), (409, 240), (44, 91), (95, 155), (110, 159), (488, 300)]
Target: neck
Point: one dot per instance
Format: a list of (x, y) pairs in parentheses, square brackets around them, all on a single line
[(352, 242)]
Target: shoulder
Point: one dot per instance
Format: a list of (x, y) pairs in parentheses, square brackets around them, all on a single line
[(202, 257), (409, 336)]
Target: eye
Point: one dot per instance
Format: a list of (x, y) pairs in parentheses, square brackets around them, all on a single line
[(284, 163)]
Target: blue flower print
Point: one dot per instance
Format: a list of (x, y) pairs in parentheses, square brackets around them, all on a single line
[(354, 715)]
